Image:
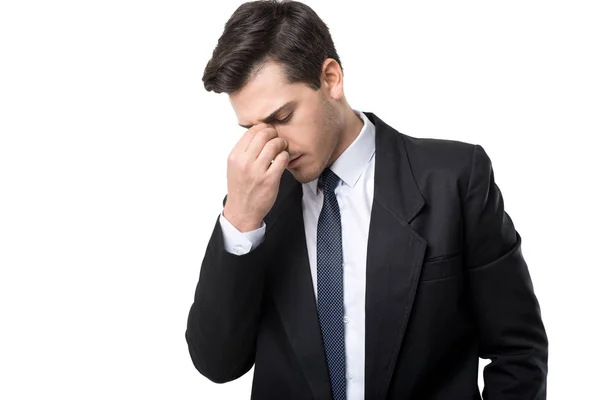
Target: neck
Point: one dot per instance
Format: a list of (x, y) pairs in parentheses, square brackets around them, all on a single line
[(350, 130)]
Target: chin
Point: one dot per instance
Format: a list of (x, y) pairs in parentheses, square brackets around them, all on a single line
[(302, 175)]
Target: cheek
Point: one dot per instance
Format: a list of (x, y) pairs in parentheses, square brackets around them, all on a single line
[(309, 133), (315, 141)]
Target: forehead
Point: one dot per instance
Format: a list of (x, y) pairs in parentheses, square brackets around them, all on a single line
[(265, 92)]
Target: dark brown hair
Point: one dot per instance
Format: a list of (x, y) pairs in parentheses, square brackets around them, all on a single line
[(288, 32)]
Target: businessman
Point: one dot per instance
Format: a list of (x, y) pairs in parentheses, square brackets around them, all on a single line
[(352, 261)]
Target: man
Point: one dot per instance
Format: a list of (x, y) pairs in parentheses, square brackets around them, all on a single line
[(352, 261)]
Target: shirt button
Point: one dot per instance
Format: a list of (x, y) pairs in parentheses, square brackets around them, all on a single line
[(238, 250), (349, 376), (346, 319)]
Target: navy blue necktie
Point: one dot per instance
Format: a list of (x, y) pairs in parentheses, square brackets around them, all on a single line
[(330, 284)]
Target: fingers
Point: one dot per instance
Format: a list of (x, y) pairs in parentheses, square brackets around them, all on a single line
[(271, 149), (260, 145), (259, 140), (279, 164), (242, 144)]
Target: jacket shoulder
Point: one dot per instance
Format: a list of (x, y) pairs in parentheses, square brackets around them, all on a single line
[(436, 160), (446, 153)]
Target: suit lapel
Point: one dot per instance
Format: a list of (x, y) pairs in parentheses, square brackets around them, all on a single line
[(293, 292), (394, 257)]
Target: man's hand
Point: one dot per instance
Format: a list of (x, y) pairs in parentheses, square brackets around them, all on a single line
[(254, 169)]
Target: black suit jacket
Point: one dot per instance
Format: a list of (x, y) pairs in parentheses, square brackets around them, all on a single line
[(446, 283)]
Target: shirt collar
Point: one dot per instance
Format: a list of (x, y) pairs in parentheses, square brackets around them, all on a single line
[(352, 162)]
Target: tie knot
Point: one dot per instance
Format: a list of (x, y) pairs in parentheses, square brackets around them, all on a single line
[(328, 180)]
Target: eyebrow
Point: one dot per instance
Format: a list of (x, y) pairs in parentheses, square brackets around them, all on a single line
[(271, 118)]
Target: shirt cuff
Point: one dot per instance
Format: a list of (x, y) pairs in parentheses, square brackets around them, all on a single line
[(237, 242)]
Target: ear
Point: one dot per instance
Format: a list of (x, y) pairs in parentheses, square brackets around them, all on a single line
[(332, 79)]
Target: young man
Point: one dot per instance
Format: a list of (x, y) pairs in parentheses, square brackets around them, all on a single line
[(352, 261)]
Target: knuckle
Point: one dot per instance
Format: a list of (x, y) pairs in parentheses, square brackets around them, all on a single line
[(269, 180), (271, 147), (262, 136), (268, 131), (243, 164)]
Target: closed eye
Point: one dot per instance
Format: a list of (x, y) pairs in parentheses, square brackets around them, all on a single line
[(272, 121), (285, 120)]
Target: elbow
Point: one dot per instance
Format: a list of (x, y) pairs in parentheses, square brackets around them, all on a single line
[(213, 363), (223, 375)]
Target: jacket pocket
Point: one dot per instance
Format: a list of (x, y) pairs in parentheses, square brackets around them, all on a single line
[(441, 267)]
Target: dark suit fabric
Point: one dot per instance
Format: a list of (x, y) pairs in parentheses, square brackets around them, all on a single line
[(446, 284)]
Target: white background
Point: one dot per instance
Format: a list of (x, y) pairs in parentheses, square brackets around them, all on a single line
[(113, 160)]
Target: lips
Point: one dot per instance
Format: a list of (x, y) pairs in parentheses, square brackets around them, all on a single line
[(292, 162)]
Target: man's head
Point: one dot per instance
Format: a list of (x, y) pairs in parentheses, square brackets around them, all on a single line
[(280, 54)]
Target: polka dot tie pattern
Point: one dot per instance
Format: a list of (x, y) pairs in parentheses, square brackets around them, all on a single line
[(330, 284)]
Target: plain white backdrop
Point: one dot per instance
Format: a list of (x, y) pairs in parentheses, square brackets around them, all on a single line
[(113, 161)]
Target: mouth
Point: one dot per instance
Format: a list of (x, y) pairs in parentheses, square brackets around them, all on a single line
[(294, 161)]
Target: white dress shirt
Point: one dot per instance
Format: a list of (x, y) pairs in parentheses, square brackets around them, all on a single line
[(354, 193)]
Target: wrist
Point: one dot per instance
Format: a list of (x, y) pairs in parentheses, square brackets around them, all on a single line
[(242, 222)]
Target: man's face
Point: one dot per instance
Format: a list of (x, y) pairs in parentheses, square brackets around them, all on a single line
[(309, 121)]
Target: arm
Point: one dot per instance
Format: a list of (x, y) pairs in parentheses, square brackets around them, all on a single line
[(511, 332), (223, 320)]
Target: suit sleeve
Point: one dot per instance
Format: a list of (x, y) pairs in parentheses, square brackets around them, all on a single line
[(224, 317), (510, 329)]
